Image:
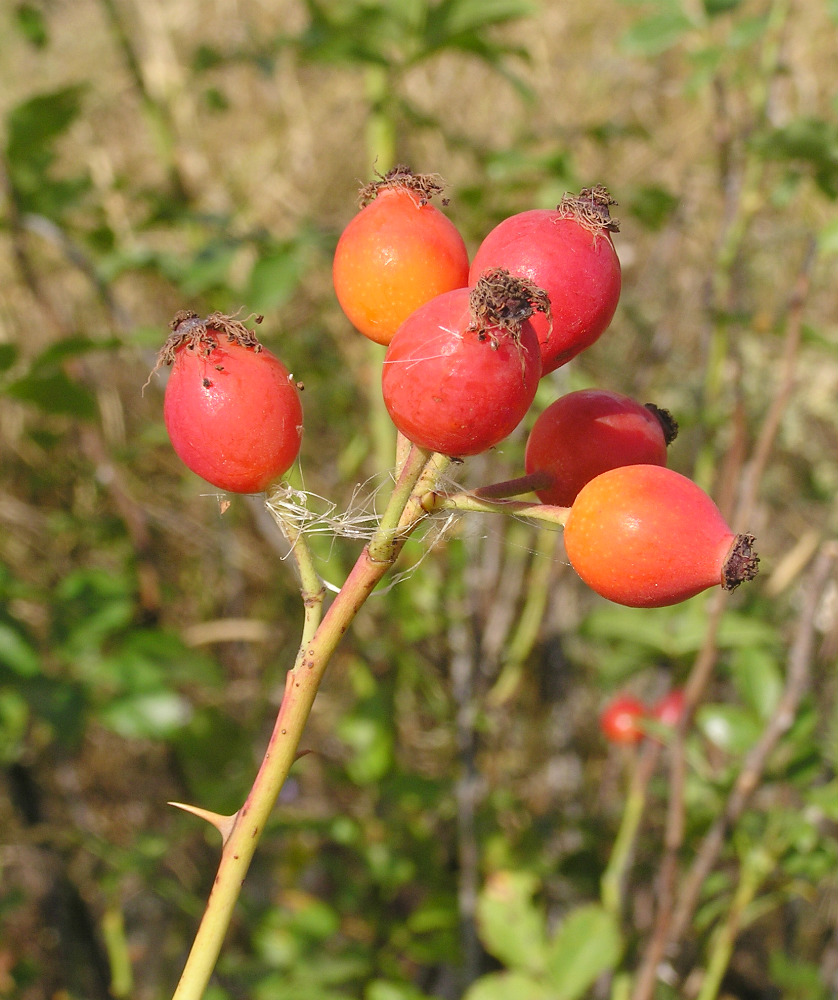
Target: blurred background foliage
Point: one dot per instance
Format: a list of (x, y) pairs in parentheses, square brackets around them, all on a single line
[(450, 831)]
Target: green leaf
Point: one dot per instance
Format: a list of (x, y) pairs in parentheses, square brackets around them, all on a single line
[(587, 944), (715, 7), (810, 143), (156, 715), (71, 347), (368, 732), (676, 631), (54, 393), (380, 989), (453, 18), (510, 925), (275, 277), (652, 206), (746, 31), (797, 978), (31, 24), (33, 125), (729, 727), (8, 355), (213, 753), (49, 387), (739, 630), (825, 798), (16, 653), (508, 986), (209, 269), (14, 722), (32, 128), (828, 238), (63, 705), (655, 34), (758, 680), (351, 32), (90, 606)]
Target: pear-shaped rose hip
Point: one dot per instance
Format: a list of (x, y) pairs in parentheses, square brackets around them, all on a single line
[(647, 537)]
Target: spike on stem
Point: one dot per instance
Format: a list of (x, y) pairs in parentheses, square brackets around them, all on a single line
[(224, 824)]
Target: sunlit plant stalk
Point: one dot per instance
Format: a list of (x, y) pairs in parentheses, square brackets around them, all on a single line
[(242, 830)]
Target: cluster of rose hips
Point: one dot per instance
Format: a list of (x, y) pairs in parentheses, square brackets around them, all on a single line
[(623, 719), (466, 344)]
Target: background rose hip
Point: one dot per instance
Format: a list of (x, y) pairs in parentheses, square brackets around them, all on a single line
[(621, 721), (568, 252), (232, 411), (645, 536), (398, 252), (587, 432), (457, 383), (669, 708)]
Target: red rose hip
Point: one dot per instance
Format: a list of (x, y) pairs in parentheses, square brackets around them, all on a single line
[(462, 370), (621, 721), (568, 252), (231, 408), (646, 537), (398, 252), (585, 433), (670, 708)]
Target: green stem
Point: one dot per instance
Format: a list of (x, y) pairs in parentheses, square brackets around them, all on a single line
[(402, 515), (312, 590), (755, 867), (394, 527), (382, 434), (523, 639), (158, 115), (612, 879), (380, 128), (518, 508), (620, 986)]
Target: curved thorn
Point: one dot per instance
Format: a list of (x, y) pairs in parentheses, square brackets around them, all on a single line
[(224, 824)]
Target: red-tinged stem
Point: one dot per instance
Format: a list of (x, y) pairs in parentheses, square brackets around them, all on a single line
[(515, 487), (402, 515)]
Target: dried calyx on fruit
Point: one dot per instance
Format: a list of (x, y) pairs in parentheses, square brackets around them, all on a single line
[(188, 328), (502, 301), (421, 187), (591, 208)]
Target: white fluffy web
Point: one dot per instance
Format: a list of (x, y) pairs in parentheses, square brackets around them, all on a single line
[(308, 513)]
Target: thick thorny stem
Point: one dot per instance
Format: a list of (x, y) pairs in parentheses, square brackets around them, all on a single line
[(402, 515)]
